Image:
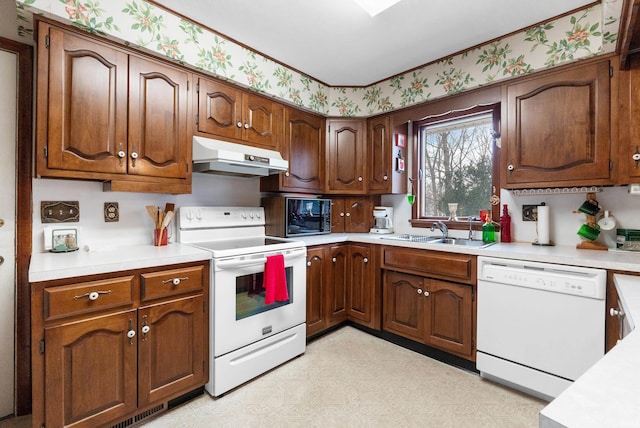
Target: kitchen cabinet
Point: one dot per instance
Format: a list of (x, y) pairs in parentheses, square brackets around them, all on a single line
[(629, 126), (558, 128), (341, 286), (346, 156), (429, 297), (109, 347), (304, 148), (352, 213), (105, 113), (384, 175), (230, 113)]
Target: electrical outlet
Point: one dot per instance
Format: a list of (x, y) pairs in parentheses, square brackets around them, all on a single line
[(529, 212), (111, 212)]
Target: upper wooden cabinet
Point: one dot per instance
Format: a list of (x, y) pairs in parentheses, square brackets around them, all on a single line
[(231, 113), (304, 148), (383, 154), (352, 214), (629, 125), (107, 114), (346, 156), (558, 129)]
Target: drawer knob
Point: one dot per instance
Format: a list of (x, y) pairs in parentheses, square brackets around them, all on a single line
[(419, 290), (91, 296), (175, 281), (616, 312), (309, 263)]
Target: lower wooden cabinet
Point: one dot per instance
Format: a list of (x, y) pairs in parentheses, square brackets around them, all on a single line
[(102, 352), (430, 310), (341, 285)]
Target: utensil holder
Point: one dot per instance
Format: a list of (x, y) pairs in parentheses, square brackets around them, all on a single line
[(160, 237)]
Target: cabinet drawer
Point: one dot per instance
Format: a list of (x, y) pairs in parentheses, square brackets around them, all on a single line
[(456, 267), (165, 283), (86, 297)]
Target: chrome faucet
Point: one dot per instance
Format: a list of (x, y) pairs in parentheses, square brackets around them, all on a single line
[(470, 229), (443, 228)]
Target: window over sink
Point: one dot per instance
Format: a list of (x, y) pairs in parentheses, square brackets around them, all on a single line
[(456, 167)]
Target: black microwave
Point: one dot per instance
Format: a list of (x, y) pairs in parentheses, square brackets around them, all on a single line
[(289, 216)]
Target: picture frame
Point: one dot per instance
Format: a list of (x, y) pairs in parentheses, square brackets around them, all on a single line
[(401, 140)]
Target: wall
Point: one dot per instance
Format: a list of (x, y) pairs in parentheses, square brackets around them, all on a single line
[(135, 226), (564, 222)]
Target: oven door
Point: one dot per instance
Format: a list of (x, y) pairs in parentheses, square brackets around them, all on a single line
[(240, 315)]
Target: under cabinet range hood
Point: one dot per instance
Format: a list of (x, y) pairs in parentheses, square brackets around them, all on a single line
[(221, 157)]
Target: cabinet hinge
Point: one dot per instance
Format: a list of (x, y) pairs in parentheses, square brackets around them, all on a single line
[(41, 346), (187, 86), (46, 152), (611, 165), (197, 119), (46, 41), (197, 87), (186, 167), (610, 71), (473, 296)]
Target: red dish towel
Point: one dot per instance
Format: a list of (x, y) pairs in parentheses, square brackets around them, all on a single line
[(275, 280)]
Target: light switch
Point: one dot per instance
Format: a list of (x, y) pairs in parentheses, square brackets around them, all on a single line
[(59, 211)]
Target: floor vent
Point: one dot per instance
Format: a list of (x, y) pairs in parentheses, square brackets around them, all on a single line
[(139, 417)]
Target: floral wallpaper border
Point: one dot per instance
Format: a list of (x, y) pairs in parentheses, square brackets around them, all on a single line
[(589, 32)]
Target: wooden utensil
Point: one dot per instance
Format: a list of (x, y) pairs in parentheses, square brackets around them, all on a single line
[(153, 213), (169, 207), (165, 222)]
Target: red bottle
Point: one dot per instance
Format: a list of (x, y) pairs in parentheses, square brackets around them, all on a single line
[(505, 225)]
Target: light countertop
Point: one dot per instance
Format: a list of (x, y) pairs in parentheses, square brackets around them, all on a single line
[(608, 394), (50, 266), (560, 254)]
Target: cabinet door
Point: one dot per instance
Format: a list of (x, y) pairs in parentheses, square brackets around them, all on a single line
[(449, 320), (358, 215), (404, 305), (629, 126), (159, 145), (304, 148), (316, 287), (336, 295), (380, 155), (82, 104), (262, 122), (346, 155), (360, 288), (219, 109), (171, 351), (90, 371), (558, 129), (338, 213)]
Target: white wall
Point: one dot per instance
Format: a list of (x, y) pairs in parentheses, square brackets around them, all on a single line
[(564, 223), (135, 226)]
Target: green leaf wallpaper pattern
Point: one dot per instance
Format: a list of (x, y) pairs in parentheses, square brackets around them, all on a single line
[(588, 32)]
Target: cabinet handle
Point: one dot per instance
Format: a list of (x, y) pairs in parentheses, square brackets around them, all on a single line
[(334, 260), (426, 293), (419, 290), (359, 178), (131, 333), (239, 124), (134, 156), (121, 154), (175, 281), (511, 167), (246, 126), (616, 312), (348, 214), (91, 296), (341, 214), (308, 262), (636, 157), (365, 260), (385, 178), (286, 174), (145, 327)]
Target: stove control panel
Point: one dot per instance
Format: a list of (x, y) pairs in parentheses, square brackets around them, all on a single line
[(220, 217)]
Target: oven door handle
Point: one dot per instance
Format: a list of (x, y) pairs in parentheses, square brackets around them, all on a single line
[(252, 262)]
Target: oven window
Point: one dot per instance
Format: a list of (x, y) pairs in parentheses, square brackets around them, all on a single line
[(250, 294)]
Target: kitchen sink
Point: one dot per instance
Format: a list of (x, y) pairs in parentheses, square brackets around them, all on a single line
[(439, 240)]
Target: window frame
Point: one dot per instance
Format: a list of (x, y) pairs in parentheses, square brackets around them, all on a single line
[(463, 222)]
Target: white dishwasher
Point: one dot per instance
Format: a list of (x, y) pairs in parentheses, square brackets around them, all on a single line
[(540, 325)]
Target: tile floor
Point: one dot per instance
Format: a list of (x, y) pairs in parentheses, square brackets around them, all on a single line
[(349, 378)]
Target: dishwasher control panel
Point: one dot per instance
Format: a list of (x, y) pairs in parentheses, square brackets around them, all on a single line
[(580, 281)]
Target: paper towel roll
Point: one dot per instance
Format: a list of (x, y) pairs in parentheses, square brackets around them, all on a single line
[(543, 224)]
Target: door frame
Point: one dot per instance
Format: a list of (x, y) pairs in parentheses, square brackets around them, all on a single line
[(24, 151)]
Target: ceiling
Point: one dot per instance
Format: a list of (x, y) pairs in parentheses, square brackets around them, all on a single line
[(338, 43)]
